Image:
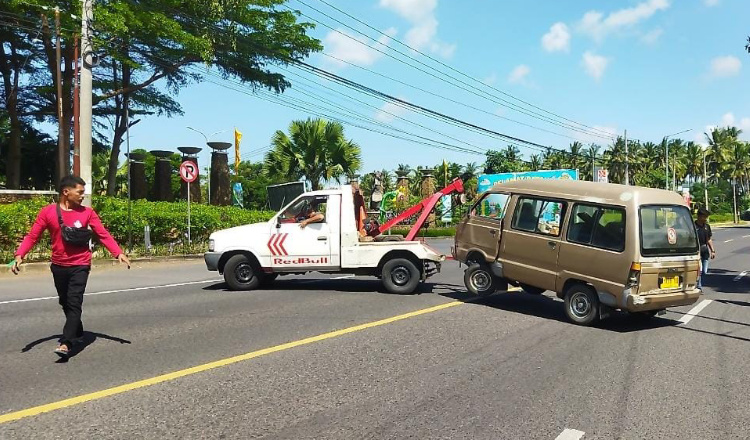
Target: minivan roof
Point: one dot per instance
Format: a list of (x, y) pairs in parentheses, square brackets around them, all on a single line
[(606, 193)]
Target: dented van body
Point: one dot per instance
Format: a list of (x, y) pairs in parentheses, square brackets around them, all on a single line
[(599, 246)]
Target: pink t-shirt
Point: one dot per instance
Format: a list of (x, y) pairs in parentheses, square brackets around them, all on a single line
[(65, 254)]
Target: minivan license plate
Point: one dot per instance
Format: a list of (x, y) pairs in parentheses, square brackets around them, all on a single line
[(670, 283)]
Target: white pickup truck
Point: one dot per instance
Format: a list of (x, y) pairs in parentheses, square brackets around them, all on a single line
[(253, 255)]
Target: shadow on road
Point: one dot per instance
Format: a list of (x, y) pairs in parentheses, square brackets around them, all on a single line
[(723, 281), (87, 339), (328, 284)]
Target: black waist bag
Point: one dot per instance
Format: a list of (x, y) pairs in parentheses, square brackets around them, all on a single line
[(72, 235)]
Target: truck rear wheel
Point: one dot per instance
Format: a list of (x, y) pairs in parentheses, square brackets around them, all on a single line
[(241, 274), (479, 280), (400, 276)]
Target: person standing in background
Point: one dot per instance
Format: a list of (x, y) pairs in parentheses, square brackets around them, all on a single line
[(705, 239), (70, 225)]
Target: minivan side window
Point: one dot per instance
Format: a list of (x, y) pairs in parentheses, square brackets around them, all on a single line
[(492, 206), (539, 216), (598, 226)]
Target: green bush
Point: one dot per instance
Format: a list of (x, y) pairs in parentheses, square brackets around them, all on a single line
[(426, 232), (167, 221)]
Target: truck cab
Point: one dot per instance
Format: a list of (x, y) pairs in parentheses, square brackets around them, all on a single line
[(317, 232)]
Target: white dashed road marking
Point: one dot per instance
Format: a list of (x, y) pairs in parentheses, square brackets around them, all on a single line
[(694, 311), (729, 241), (134, 289), (742, 274), (570, 434)]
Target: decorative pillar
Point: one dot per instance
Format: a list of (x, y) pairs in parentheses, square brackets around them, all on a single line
[(163, 176), (137, 182), (428, 188), (191, 154), (403, 180), (220, 190)]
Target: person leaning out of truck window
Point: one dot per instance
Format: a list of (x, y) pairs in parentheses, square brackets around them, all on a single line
[(311, 215), (708, 251)]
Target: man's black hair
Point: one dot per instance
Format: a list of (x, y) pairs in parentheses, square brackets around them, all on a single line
[(703, 212), (70, 181)]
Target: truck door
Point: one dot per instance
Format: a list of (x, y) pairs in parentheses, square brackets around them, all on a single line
[(301, 238)]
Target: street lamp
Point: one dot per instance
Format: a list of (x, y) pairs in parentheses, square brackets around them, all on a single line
[(208, 139), (666, 154)]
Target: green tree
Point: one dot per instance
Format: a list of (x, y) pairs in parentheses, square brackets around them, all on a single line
[(314, 149)]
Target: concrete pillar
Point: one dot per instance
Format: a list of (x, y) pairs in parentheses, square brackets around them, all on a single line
[(163, 176), (221, 191), (138, 188)]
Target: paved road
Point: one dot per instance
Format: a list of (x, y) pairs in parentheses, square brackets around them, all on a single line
[(508, 366)]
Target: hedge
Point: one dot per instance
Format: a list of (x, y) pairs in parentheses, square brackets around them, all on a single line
[(167, 222)]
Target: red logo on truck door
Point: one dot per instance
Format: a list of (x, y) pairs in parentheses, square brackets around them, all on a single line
[(276, 245), (301, 261)]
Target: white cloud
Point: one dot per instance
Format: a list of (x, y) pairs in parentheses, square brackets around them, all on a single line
[(725, 66), (652, 37), (423, 34), (518, 75), (557, 39), (597, 26), (389, 112), (710, 3), (491, 80), (354, 49), (727, 120), (595, 65)]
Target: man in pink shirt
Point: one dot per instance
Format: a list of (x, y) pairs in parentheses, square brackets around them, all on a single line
[(71, 259)]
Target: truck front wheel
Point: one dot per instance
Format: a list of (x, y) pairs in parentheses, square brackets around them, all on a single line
[(241, 274), (400, 276)]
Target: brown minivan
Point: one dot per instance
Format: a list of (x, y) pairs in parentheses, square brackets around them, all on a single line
[(599, 246)]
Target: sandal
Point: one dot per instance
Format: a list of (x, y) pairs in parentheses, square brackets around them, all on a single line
[(62, 351)]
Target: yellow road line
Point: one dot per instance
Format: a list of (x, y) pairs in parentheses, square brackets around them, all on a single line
[(29, 412)]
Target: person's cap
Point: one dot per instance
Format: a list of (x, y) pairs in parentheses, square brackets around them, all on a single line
[(703, 212)]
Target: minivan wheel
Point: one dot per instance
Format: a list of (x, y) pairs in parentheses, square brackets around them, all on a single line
[(240, 273), (400, 276), (581, 304), (532, 290), (479, 280)]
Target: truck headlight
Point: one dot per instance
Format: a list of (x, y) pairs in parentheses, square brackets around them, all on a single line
[(211, 245)]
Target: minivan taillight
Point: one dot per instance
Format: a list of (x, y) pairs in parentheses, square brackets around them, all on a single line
[(634, 276)]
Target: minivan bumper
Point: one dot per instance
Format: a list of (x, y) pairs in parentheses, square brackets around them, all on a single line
[(212, 260), (642, 303)]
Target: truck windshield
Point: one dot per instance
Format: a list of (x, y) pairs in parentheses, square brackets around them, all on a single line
[(667, 230)]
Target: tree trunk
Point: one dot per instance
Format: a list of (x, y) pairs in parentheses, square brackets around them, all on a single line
[(121, 127), (10, 72)]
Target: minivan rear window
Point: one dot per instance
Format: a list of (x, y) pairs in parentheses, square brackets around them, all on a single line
[(667, 230)]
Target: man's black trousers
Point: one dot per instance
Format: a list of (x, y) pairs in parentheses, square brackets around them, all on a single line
[(70, 282)]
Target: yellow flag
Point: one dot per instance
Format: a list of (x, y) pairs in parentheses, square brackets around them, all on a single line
[(237, 139)]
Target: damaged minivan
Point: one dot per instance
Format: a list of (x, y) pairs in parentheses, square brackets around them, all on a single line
[(599, 246)]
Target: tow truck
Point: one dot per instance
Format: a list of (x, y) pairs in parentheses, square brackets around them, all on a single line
[(254, 255)]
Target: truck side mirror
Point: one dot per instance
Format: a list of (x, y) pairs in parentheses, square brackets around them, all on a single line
[(278, 222)]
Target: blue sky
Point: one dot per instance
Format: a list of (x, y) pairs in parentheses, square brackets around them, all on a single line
[(653, 67)]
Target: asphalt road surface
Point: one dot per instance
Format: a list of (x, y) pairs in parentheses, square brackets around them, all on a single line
[(172, 354)]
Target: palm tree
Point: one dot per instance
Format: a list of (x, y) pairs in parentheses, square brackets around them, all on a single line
[(316, 150), (614, 159), (718, 145), (535, 164), (470, 171), (693, 161), (577, 159), (592, 155)]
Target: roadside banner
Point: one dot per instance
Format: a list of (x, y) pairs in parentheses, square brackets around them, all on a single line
[(447, 215), (486, 181), (237, 195)]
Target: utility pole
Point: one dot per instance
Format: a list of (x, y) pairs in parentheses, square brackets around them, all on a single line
[(62, 154), (86, 98), (666, 163), (627, 160), (76, 115)]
